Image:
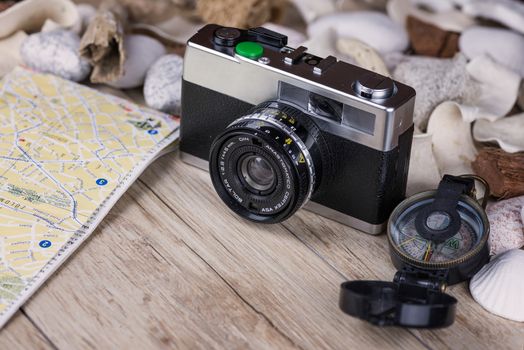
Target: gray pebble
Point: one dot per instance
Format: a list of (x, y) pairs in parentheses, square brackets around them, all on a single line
[(163, 85), (55, 52)]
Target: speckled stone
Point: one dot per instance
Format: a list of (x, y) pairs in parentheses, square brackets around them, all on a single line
[(506, 225), (55, 52), (435, 80), (163, 85)]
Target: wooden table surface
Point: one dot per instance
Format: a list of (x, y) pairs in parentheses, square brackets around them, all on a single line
[(171, 267)]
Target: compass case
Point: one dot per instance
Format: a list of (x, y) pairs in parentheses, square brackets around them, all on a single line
[(436, 238), (458, 248), (397, 304)]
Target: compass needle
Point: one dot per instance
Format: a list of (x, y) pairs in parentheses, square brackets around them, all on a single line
[(427, 255)]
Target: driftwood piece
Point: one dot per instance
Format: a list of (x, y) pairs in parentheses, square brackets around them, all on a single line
[(502, 170), (103, 42), (243, 14)]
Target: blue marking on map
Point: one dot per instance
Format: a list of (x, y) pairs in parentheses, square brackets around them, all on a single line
[(101, 182), (152, 132), (45, 243)]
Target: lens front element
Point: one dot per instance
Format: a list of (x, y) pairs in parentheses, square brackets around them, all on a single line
[(261, 167), (257, 172)]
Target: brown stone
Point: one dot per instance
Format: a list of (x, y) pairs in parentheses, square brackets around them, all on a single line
[(4, 5), (503, 171), (429, 40)]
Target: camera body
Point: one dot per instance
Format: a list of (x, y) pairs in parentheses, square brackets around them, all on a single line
[(279, 128)]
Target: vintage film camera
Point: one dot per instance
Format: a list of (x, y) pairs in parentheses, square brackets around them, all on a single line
[(279, 128)]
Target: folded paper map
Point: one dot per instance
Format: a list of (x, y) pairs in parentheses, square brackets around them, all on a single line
[(67, 153)]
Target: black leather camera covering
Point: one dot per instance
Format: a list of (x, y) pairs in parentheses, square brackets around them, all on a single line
[(367, 184)]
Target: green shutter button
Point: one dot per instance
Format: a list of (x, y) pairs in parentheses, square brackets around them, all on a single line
[(249, 49)]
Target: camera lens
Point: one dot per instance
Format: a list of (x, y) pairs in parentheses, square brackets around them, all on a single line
[(267, 163), (258, 173)]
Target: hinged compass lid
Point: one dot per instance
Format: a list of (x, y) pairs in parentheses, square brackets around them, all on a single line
[(400, 303), (436, 238)]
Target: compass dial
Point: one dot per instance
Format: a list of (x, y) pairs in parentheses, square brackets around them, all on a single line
[(409, 244)]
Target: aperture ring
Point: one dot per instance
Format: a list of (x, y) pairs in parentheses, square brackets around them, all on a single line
[(290, 132)]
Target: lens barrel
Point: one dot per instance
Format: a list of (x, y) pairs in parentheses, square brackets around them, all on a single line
[(267, 163)]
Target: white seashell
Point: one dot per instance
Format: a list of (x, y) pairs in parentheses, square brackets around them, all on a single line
[(504, 46), (163, 85), (506, 225), (141, 52), (443, 14), (423, 172), (508, 12), (294, 37), (30, 16), (452, 142), (324, 44), (177, 29), (492, 92), (499, 287), (313, 9), (507, 132), (363, 55), (520, 98), (373, 28), (86, 13), (55, 52), (10, 49)]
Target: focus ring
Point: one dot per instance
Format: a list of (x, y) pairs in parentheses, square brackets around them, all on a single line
[(279, 140)]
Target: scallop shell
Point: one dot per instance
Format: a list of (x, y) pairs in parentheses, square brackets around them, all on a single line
[(32, 15), (499, 287), (452, 142), (507, 132)]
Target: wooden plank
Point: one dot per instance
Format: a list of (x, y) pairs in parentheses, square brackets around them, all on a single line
[(20, 333), (361, 256), (136, 284), (269, 267)]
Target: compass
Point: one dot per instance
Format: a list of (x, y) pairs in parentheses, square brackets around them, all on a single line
[(436, 238)]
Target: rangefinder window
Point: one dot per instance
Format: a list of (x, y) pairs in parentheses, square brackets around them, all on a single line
[(311, 102)]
